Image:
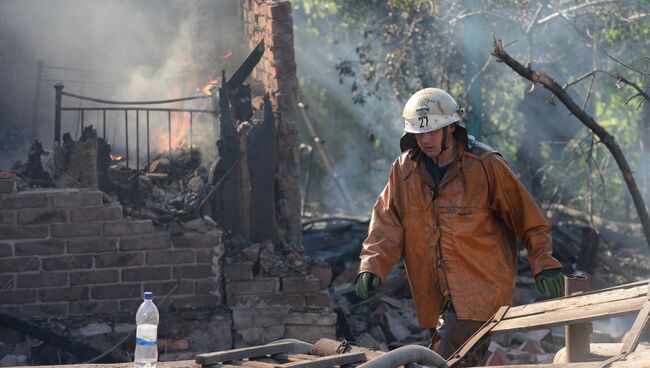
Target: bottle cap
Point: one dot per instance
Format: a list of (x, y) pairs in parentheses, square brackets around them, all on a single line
[(148, 295)]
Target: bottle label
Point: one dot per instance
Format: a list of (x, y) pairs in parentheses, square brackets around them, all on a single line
[(146, 335)]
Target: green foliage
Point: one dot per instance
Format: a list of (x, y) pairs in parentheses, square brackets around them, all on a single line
[(403, 45)]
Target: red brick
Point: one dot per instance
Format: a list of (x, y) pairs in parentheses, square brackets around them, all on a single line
[(54, 310), (311, 319), (92, 245), (23, 232), (24, 200), (281, 26), (7, 217), (40, 248), (19, 264), (75, 230), (204, 255), (194, 302), (282, 40), (132, 305), (67, 262), (193, 272), (170, 257), (162, 288), (295, 302), (243, 318), (146, 273), (95, 214), (267, 285), (206, 287), (8, 185), (6, 282), (196, 241), (76, 199), (149, 241), (128, 228), (94, 277), (280, 10), (119, 260), (38, 216), (63, 294), (5, 250), (26, 280), (173, 345), (92, 308), (116, 291), (10, 311), (323, 272), (319, 300), (238, 271), (300, 285), (18, 296)]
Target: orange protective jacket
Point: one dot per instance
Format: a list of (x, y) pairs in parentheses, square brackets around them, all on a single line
[(462, 245)]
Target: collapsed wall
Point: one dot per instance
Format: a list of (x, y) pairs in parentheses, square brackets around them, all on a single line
[(271, 21)]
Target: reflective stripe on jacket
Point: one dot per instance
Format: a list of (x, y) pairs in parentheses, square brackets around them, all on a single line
[(463, 243)]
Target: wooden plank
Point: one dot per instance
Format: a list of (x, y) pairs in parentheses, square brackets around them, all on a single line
[(253, 351), (632, 338), (288, 358), (327, 361), (571, 315), (578, 301)]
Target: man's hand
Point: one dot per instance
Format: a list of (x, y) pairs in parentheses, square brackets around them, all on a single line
[(366, 282), (554, 280)]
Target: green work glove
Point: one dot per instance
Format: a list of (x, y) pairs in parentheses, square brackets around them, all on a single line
[(554, 280), (366, 282)]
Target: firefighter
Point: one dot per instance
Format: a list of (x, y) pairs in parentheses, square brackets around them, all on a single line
[(453, 211)]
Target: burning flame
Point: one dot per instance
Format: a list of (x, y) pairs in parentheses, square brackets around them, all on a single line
[(179, 132), (207, 89), (116, 157)]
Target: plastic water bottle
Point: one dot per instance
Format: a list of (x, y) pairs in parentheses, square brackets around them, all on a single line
[(146, 349)]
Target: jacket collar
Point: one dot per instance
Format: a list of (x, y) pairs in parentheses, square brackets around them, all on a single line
[(417, 166)]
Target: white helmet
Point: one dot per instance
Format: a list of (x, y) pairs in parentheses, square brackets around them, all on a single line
[(430, 109)]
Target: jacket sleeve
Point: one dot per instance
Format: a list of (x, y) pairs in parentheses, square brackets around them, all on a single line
[(512, 202), (383, 246)]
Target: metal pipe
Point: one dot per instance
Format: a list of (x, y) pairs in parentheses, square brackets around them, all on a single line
[(57, 112), (137, 140), (139, 108), (310, 151), (148, 146), (169, 134), (37, 97), (577, 335), (136, 102), (405, 355), (82, 122), (126, 132), (104, 124), (191, 116)]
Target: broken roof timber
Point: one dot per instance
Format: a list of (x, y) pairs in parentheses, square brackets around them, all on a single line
[(576, 308)]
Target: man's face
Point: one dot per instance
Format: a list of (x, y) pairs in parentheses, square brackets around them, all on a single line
[(431, 143)]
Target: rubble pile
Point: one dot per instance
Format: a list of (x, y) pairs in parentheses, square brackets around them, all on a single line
[(387, 319)]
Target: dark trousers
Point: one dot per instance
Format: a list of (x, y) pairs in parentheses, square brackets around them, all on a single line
[(452, 333)]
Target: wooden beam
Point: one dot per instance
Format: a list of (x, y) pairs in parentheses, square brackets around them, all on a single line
[(577, 301), (574, 314), (251, 352), (327, 361)]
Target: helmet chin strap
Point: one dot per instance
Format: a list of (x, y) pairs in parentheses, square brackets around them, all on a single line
[(443, 146)]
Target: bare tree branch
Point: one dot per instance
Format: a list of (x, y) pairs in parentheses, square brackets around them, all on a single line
[(610, 142)]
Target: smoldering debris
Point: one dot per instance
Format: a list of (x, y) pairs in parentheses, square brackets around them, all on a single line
[(387, 319)]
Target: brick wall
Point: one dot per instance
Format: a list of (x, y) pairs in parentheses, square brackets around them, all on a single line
[(266, 309), (66, 253), (272, 21)]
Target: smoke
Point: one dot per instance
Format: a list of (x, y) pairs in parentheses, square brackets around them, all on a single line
[(543, 143), (116, 50)]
